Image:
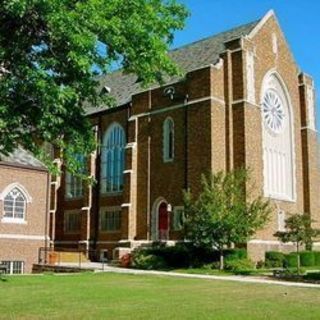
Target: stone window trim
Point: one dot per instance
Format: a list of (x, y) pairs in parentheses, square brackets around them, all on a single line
[(275, 147), (168, 140), (113, 160), (17, 187), (117, 220)]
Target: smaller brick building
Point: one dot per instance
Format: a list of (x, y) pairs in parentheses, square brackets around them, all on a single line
[(23, 210)]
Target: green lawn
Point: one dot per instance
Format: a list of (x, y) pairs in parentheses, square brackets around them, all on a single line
[(115, 296)]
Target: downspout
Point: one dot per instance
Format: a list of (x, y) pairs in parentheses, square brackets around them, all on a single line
[(149, 172), (186, 141), (46, 233), (97, 186)]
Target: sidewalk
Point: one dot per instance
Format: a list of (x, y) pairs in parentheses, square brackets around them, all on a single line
[(246, 279)]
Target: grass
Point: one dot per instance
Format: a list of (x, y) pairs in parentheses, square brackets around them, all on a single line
[(116, 296), (216, 272)]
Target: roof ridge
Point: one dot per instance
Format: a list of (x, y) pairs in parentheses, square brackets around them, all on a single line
[(216, 34)]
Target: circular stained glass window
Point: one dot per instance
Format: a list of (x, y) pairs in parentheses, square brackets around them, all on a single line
[(273, 111)]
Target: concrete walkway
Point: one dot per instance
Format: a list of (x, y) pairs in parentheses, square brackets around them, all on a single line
[(247, 279), (99, 267)]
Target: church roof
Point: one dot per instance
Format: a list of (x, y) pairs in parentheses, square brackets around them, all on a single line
[(189, 57), (21, 157)]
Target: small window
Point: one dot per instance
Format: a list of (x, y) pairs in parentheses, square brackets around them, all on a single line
[(168, 140), (73, 183), (281, 220), (178, 218), (110, 220), (13, 267), (14, 205), (71, 222)]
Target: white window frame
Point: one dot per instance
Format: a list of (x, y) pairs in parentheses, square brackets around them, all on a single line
[(286, 192), (166, 140), (113, 146), (110, 210), (27, 199), (66, 216), (11, 266)]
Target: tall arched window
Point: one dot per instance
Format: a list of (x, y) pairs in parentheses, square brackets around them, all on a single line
[(277, 124), (14, 204), (168, 140), (112, 159)]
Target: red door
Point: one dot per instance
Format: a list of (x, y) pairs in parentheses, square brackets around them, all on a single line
[(163, 221)]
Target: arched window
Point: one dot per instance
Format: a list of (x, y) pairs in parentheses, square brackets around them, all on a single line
[(14, 204), (112, 159), (168, 140), (277, 132)]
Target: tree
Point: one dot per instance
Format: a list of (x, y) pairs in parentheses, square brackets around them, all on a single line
[(223, 214), (299, 231), (51, 52)]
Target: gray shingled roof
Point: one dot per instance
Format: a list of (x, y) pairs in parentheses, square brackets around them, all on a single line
[(23, 158), (189, 57)]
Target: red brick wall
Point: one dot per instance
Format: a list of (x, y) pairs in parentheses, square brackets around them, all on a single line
[(21, 241)]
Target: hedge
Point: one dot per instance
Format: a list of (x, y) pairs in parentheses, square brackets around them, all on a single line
[(235, 254), (291, 260), (307, 259), (317, 258), (274, 259), (186, 255)]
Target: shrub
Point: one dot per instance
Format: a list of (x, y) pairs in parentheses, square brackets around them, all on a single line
[(312, 276), (235, 254), (317, 258), (148, 262), (291, 260), (274, 259), (241, 266), (307, 258)]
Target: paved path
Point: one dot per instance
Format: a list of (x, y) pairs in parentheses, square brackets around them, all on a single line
[(247, 279), (99, 267)]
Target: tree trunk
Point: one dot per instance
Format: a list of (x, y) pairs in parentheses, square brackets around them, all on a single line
[(298, 259), (221, 260)]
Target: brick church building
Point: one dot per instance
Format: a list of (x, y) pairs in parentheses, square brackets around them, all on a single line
[(242, 101)]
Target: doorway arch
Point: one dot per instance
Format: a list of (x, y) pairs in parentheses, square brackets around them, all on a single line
[(160, 220)]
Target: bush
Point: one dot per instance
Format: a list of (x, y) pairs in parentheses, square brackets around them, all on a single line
[(274, 259), (235, 254), (307, 258), (141, 260), (241, 266), (291, 260), (317, 258), (312, 276)]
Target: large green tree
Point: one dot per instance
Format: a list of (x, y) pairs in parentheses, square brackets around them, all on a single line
[(50, 57), (225, 212)]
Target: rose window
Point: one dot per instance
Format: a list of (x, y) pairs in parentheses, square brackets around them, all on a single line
[(273, 112)]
